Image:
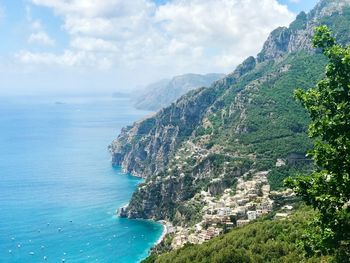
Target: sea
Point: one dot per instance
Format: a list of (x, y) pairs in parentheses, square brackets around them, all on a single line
[(58, 190)]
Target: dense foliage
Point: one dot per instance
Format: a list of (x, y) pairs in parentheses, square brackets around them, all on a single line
[(277, 175), (328, 188), (266, 240)]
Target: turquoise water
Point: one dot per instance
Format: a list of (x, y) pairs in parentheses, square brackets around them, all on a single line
[(58, 190)]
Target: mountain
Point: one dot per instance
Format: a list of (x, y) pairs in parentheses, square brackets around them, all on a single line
[(162, 93), (244, 129)]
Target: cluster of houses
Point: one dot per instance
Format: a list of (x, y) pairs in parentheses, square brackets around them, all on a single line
[(236, 207), (189, 235)]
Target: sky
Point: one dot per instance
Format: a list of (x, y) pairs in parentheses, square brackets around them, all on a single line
[(89, 46)]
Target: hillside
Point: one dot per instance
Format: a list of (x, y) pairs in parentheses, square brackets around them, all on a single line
[(221, 150), (162, 93), (266, 240)]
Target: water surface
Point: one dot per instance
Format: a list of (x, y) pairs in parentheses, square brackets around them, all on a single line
[(58, 190)]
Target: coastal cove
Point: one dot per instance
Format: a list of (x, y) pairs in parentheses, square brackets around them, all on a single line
[(58, 190)]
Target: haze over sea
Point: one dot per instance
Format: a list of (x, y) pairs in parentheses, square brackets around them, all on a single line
[(58, 190)]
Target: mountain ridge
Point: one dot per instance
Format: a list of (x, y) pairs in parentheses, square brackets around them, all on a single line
[(244, 123), (164, 92)]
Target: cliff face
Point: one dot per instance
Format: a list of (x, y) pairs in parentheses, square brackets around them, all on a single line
[(146, 147), (164, 92), (299, 34), (246, 121)]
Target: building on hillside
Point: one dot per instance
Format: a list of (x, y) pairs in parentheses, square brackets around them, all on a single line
[(242, 222), (251, 215), (281, 215)]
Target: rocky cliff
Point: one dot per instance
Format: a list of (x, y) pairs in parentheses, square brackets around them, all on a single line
[(246, 121)]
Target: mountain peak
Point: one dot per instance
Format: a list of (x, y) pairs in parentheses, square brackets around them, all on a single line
[(298, 35), (328, 7)]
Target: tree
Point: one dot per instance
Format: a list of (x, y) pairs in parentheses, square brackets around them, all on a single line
[(328, 188)]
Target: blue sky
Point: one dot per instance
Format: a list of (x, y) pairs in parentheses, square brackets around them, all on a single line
[(85, 39), (15, 24), (297, 6)]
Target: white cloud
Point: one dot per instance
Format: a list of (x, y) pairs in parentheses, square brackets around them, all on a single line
[(235, 28), (93, 44), (93, 8), (177, 37), (67, 59), (38, 35), (41, 38)]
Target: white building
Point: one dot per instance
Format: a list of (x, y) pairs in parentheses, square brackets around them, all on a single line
[(251, 215)]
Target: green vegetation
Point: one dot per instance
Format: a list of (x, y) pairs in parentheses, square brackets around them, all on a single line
[(328, 188), (190, 213), (339, 24), (279, 174), (299, 23), (274, 124), (162, 247), (266, 240)]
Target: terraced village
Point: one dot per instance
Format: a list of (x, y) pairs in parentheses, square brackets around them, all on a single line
[(236, 207)]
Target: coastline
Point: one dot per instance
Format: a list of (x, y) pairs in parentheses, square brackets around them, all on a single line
[(120, 209), (165, 232), (164, 223)]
